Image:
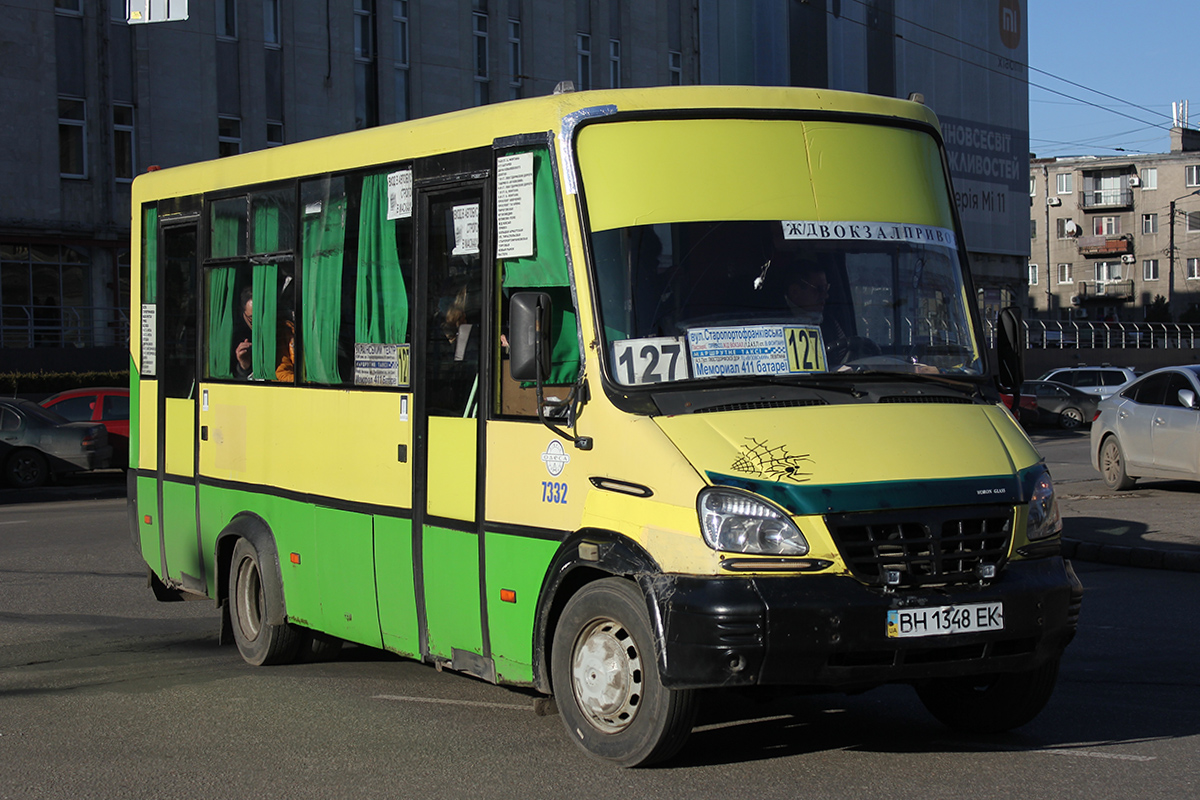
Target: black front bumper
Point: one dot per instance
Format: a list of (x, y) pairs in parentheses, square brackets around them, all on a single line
[(831, 631)]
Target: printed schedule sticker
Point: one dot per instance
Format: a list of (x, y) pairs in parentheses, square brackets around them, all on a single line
[(756, 350), (399, 194), (514, 206), (466, 230)]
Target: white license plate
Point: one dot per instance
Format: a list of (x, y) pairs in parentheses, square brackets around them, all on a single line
[(904, 623)]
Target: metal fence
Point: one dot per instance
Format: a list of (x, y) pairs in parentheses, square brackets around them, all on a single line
[(1063, 335), (66, 326)]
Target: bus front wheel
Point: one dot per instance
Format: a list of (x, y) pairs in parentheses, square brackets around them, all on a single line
[(259, 641), (606, 679)]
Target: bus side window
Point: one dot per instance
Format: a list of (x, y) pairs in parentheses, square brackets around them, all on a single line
[(546, 270)]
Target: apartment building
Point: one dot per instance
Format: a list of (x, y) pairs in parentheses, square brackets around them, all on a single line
[(1117, 237)]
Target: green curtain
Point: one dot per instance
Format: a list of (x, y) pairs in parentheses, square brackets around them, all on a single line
[(262, 345), (324, 239), (381, 298), (547, 270), (266, 229), (222, 282), (150, 256)]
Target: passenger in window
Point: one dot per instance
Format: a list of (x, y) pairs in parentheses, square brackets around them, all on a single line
[(243, 327), (285, 349), (806, 288)]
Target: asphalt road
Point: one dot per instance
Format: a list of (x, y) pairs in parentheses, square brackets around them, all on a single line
[(105, 693)]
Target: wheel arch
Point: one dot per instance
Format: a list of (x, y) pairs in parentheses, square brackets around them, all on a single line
[(253, 528), (589, 555)]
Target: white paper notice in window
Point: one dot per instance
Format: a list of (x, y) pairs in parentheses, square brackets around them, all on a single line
[(466, 230), (400, 194), (149, 339), (514, 206)]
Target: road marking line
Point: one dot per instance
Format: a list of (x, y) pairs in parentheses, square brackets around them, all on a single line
[(1056, 751), (441, 701)]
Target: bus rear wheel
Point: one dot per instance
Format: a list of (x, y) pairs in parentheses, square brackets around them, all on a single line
[(990, 703), (606, 679), (259, 641)]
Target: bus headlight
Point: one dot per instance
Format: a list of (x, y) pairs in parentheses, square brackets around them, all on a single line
[(1044, 519), (735, 522)]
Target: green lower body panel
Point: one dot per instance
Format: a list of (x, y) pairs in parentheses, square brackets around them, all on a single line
[(450, 565), (516, 568)]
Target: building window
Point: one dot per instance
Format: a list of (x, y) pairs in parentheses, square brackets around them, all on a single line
[(123, 160), (1193, 221), (1192, 175), (583, 62), (227, 19), (1149, 178), (1064, 273), (1106, 226), (1107, 271), (1065, 182), (1149, 223), (271, 22), (274, 134), (229, 136), (1065, 228), (69, 6), (366, 98), (400, 31), (480, 32), (1033, 229), (514, 59), (72, 138), (675, 67), (614, 63), (1193, 269), (1150, 269), (1033, 274), (44, 286)]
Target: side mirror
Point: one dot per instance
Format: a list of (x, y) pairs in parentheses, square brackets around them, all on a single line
[(529, 335), (1188, 398), (1010, 350)]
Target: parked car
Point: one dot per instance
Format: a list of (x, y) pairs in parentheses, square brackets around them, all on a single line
[(1100, 381), (1150, 429), (1062, 405), (108, 405), (35, 442)]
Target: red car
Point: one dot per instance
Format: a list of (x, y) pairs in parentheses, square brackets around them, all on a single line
[(1028, 412), (108, 405)]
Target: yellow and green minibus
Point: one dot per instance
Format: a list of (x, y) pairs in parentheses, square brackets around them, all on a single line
[(617, 395)]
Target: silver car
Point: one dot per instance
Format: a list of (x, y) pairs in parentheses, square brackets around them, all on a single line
[(1100, 381), (1150, 429)]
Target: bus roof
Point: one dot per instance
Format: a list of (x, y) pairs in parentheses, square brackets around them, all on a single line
[(480, 126)]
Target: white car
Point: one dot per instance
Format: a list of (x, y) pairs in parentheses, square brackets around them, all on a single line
[(1100, 381), (1150, 429)]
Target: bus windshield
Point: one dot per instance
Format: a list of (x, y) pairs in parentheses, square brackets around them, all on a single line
[(764, 264)]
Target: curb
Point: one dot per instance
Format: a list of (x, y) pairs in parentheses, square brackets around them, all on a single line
[(1123, 556)]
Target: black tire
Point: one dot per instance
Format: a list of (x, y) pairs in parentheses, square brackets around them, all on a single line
[(1070, 418), (1112, 465), (26, 469), (989, 703), (260, 642), (606, 679)]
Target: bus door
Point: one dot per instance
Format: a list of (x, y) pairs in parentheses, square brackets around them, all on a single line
[(177, 404), (448, 479)]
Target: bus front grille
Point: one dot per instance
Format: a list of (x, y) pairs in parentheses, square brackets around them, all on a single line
[(925, 547)]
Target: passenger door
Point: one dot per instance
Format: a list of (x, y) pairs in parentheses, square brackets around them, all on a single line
[(452, 244)]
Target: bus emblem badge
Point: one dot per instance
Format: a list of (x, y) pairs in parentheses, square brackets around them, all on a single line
[(555, 458)]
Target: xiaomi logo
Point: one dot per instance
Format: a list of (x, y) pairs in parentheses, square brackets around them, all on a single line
[(1010, 23)]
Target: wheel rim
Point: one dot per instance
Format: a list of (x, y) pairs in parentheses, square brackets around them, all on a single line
[(25, 469), (1071, 418), (248, 599), (1112, 463), (606, 675)]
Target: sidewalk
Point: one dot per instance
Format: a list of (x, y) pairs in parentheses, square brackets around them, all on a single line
[(1154, 526)]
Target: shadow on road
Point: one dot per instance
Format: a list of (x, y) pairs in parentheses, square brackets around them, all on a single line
[(99, 485)]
